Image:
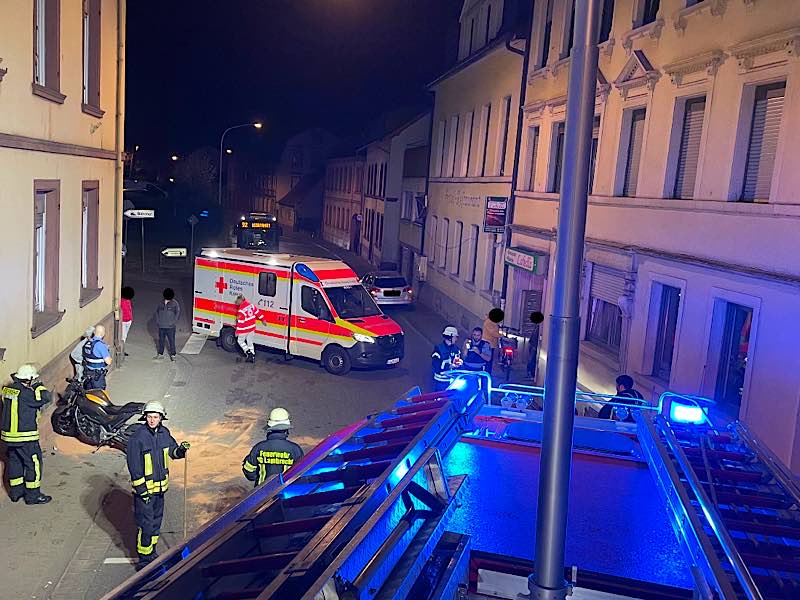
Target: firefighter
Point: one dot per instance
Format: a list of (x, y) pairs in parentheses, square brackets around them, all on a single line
[(446, 356), (150, 449), (276, 453), (246, 317), (22, 404)]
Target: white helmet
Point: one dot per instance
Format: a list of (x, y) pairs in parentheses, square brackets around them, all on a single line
[(27, 372), (279, 419), (450, 331), (154, 406)]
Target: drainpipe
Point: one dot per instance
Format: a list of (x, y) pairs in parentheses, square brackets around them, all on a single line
[(547, 583), (523, 89), (119, 114)]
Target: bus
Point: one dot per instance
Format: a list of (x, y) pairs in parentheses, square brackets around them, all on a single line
[(258, 231)]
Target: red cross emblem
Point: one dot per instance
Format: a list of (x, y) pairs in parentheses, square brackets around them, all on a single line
[(221, 285)]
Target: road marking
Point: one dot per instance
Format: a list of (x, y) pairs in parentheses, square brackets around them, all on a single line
[(195, 343), (120, 560)]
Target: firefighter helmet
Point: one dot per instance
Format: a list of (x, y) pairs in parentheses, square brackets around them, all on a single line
[(450, 331), (279, 419), (27, 372), (154, 406)]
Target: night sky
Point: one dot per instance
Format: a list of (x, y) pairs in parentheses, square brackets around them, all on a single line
[(195, 67)]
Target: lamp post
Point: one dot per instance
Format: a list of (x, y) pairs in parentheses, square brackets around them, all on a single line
[(257, 125)]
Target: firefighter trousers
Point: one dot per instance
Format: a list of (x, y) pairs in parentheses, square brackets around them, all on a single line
[(24, 469), (148, 517)]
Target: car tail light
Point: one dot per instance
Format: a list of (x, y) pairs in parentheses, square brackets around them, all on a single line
[(374, 291), (409, 291), (509, 350)]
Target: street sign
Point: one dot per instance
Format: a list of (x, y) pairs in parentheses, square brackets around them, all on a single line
[(192, 220), (140, 213), (174, 252)]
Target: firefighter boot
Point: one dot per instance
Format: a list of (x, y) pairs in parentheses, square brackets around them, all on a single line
[(38, 499)]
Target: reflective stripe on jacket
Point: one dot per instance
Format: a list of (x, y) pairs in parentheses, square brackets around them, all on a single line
[(91, 360), (246, 318), (271, 456), (148, 455), (22, 407), (442, 360)]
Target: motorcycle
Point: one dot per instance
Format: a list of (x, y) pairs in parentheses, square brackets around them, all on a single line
[(90, 416), (508, 347)]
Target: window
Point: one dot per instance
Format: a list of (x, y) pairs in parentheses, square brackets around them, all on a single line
[(455, 268), (91, 57), (649, 10), (434, 237), (569, 31), (441, 149), (408, 206), (295, 180), (606, 21), (312, 302), (471, 35), (689, 152), (734, 345), (533, 149), (380, 230), (634, 152), (502, 150), (558, 158), (604, 326), (90, 208), (665, 333), (46, 225), (267, 283), (547, 31), (444, 243), (47, 49), (486, 118), (453, 148), (593, 154), (359, 175), (466, 151), (764, 132), (473, 252), (488, 23), (491, 262)]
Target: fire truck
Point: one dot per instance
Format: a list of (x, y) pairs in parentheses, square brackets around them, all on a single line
[(314, 308)]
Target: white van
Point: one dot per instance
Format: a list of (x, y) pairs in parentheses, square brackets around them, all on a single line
[(315, 307)]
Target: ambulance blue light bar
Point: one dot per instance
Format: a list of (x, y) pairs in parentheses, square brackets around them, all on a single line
[(305, 271)]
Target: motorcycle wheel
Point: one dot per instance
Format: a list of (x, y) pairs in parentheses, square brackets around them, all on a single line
[(507, 369), (89, 432), (63, 422)]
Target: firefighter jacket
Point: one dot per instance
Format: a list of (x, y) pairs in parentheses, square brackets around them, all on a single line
[(271, 456), (148, 455), (22, 406), (442, 360)]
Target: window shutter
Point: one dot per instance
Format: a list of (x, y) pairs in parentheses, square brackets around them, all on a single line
[(94, 62), (764, 132), (634, 152), (534, 150), (53, 44), (690, 148), (556, 185), (593, 158), (607, 284)]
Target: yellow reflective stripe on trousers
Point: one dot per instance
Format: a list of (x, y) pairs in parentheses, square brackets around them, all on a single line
[(37, 469), (142, 549), (16, 481)]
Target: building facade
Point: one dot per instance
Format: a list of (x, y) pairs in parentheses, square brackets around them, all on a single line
[(341, 219), (691, 282), (475, 120), (61, 128), (376, 168)]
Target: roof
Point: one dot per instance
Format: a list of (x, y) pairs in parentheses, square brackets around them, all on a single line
[(298, 193), (274, 259)]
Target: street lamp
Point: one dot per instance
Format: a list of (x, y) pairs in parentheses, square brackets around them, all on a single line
[(174, 157), (257, 125), (228, 151)]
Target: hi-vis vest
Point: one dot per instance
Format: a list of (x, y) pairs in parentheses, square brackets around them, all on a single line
[(21, 412), (90, 360)]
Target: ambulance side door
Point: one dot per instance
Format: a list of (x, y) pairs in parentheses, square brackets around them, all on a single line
[(311, 321), (267, 301)]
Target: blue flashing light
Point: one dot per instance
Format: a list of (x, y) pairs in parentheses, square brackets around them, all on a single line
[(204, 213), (305, 271), (459, 384), (686, 413), (185, 553)]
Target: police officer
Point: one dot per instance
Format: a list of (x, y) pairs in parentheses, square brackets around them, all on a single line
[(96, 358), (276, 453), (150, 449), (446, 356), (22, 404), (477, 352)]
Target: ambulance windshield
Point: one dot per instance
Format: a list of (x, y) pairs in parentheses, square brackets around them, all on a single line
[(352, 302)]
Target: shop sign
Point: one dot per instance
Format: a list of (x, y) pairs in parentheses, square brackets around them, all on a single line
[(494, 219), (521, 259)]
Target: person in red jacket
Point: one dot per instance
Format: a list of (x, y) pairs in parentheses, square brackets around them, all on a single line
[(246, 318)]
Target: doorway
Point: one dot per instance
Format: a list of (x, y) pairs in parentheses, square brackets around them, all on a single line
[(732, 367)]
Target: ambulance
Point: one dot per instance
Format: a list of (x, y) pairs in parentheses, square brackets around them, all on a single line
[(314, 307)]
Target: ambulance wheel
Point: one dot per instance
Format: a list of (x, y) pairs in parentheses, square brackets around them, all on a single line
[(227, 339), (336, 360)]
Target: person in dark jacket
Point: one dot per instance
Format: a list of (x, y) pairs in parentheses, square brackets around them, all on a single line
[(23, 400), (167, 315), (275, 454), (626, 395), (149, 451), (445, 356)]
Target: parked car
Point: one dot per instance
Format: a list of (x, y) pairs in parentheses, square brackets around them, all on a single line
[(389, 287)]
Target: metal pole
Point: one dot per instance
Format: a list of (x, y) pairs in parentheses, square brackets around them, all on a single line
[(219, 175), (562, 351), (191, 247), (142, 222)]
